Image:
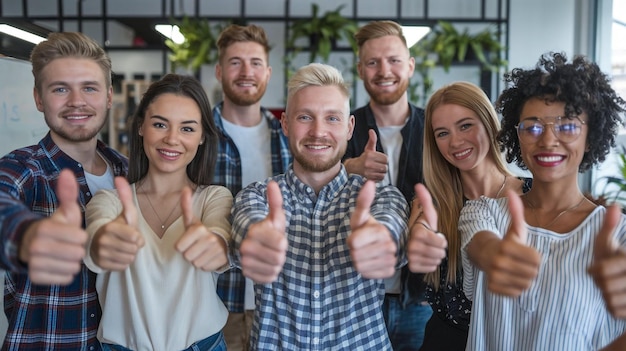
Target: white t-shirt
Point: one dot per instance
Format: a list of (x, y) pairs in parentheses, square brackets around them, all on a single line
[(254, 146), (391, 139), (97, 182)]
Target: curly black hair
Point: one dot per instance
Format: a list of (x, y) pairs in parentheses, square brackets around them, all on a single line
[(580, 85)]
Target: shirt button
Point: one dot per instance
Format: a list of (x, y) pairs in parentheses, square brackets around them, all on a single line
[(316, 255), (316, 294), (88, 193), (91, 347), (93, 315), (80, 166), (316, 341)]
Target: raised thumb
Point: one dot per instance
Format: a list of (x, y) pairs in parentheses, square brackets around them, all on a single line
[(517, 230), (371, 142), (275, 204), (363, 204), (125, 194), (67, 197)]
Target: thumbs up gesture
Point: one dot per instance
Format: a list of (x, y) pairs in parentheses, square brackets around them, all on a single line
[(201, 247), (54, 247), (514, 265), (264, 250), (609, 265), (115, 244), (371, 164), (426, 247), (372, 248)]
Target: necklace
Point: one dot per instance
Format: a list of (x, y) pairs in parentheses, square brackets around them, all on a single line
[(501, 188), (157, 215), (532, 208)]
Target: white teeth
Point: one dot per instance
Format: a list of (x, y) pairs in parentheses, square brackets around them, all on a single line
[(246, 84), (385, 84), (549, 158), (171, 154), (461, 154), (317, 147), (77, 117)]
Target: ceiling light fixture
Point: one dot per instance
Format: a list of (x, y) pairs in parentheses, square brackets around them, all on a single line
[(22, 34), (171, 32), (413, 34)]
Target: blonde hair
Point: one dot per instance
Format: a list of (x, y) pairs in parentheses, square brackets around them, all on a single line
[(316, 74), (68, 44), (443, 179)]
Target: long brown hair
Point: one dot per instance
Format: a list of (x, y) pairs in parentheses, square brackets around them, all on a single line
[(443, 179), (200, 170)]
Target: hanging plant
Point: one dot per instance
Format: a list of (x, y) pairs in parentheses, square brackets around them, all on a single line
[(199, 47), (322, 31)]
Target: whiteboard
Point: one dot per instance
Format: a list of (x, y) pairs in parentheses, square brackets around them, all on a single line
[(21, 124)]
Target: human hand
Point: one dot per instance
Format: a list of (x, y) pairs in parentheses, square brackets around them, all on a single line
[(115, 244), (54, 247), (372, 248), (371, 164), (514, 265), (264, 249), (426, 247), (608, 269), (201, 247)]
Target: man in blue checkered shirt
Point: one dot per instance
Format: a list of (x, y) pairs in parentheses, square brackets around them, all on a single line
[(317, 241)]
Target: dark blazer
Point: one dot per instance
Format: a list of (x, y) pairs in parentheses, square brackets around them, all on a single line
[(409, 172)]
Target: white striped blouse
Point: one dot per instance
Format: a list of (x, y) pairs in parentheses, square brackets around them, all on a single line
[(562, 310)]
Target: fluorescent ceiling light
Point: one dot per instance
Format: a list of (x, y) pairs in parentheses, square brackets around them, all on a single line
[(22, 34), (413, 34), (171, 32)]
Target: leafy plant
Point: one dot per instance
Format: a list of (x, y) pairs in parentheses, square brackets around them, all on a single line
[(451, 45), (445, 45), (322, 31), (614, 189), (199, 47)]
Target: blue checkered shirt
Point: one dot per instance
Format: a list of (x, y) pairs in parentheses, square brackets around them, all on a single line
[(43, 317), (319, 301), (231, 284)]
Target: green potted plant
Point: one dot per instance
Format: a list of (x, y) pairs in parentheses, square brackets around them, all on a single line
[(199, 47), (445, 45), (614, 189), (322, 32)]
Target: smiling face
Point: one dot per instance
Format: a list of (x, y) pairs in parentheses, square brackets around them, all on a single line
[(244, 73), (548, 158), (386, 68), (74, 99), (318, 125), (172, 132), (460, 136)]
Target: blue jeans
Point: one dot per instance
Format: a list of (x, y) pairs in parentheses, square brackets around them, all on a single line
[(405, 325), (214, 342)]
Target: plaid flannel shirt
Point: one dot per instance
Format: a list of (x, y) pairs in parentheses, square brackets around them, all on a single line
[(231, 284), (319, 301), (42, 317)]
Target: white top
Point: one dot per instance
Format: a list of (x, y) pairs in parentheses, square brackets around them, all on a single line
[(562, 310), (161, 302), (391, 140), (255, 151), (104, 181)]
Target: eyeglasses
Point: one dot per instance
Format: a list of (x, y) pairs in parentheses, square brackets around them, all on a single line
[(566, 129)]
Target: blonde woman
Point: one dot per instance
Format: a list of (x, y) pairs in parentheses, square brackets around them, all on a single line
[(462, 161)]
